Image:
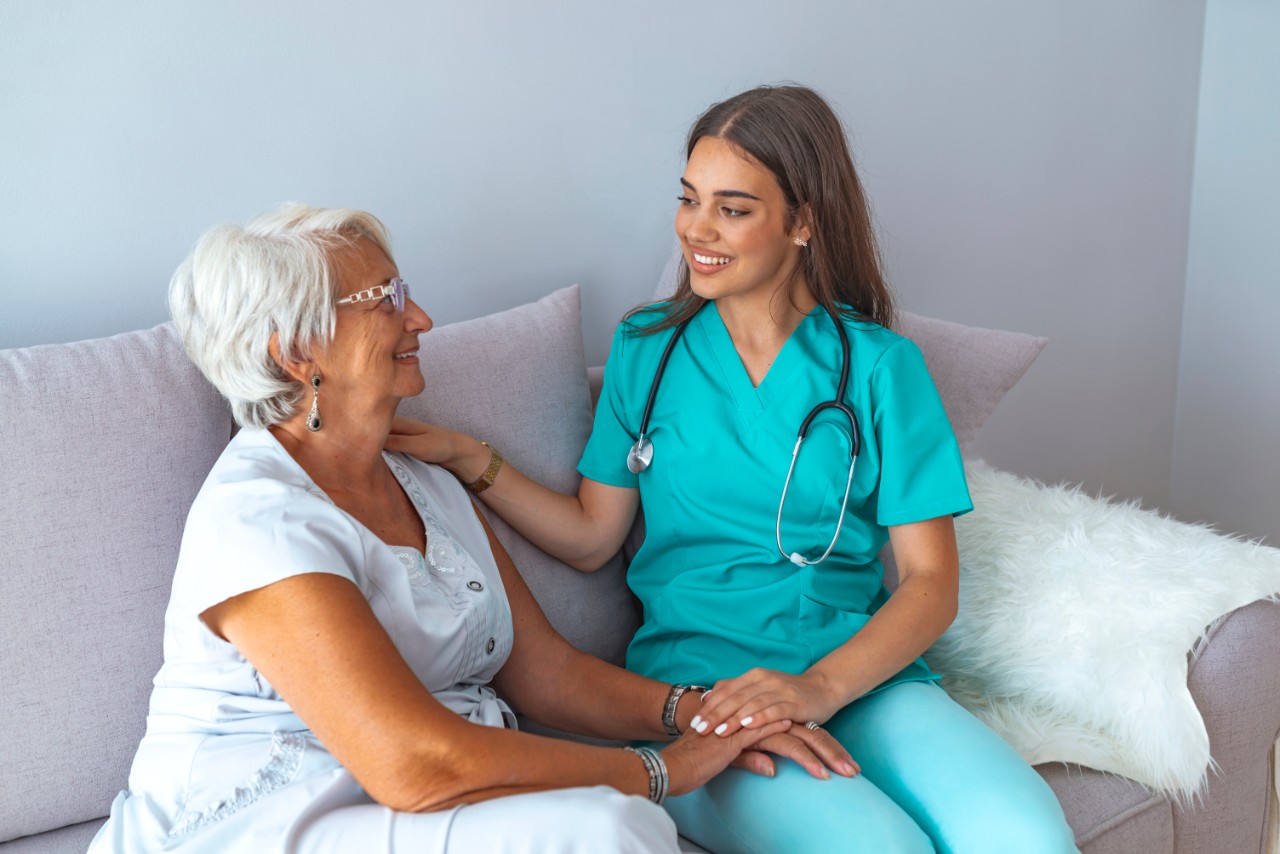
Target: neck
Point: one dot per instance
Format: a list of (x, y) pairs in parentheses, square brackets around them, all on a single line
[(344, 455), (763, 322)]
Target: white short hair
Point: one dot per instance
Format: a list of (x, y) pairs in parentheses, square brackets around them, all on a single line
[(275, 275)]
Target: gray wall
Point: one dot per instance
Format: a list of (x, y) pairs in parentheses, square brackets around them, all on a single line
[(1226, 464), (1030, 165)]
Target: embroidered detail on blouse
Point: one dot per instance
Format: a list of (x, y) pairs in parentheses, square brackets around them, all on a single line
[(282, 764), (413, 564), (444, 553)]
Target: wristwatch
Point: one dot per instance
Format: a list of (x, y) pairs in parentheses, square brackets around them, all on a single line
[(673, 700)]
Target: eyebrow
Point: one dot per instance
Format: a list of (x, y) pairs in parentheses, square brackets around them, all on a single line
[(724, 194)]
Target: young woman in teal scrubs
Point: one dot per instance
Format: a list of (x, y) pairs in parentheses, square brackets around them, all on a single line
[(777, 242)]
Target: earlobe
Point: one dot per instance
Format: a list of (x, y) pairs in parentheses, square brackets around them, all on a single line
[(804, 225)]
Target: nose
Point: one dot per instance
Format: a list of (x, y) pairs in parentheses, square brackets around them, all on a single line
[(416, 320), (694, 225)]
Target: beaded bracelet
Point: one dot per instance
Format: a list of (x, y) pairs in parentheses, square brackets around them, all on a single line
[(657, 770)]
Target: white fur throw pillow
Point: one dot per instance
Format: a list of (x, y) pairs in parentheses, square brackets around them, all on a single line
[(1076, 617)]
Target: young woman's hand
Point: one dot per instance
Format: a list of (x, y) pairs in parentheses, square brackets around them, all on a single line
[(759, 697), (457, 452), (815, 750)]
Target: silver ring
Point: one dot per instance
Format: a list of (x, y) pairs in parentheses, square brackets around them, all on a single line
[(813, 725)]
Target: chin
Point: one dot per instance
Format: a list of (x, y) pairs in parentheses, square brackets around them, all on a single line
[(704, 287), (413, 391)]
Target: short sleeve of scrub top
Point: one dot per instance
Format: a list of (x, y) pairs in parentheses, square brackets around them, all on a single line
[(718, 595)]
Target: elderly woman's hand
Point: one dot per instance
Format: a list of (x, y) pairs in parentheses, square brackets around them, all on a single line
[(692, 761)]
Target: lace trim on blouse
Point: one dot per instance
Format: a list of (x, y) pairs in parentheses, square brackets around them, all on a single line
[(282, 765), (444, 553)]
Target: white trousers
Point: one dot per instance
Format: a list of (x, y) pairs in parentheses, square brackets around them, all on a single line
[(564, 821)]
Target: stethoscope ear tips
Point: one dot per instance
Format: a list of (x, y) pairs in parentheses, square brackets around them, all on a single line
[(797, 559)]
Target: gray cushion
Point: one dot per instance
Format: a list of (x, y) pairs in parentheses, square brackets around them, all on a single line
[(974, 368), (518, 380), (106, 444), (67, 840)]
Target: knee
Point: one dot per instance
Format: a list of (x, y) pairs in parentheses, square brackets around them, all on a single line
[(1030, 831)]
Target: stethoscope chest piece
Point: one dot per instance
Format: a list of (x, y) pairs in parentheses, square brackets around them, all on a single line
[(640, 456)]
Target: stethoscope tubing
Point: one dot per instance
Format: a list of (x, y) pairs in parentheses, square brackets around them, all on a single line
[(641, 453)]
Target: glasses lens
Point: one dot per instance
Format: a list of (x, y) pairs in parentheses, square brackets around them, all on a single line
[(400, 292)]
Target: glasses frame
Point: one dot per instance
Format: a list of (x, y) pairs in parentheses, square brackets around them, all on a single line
[(397, 289)]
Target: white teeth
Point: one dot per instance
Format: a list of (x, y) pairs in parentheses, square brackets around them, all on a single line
[(404, 355), (708, 259)]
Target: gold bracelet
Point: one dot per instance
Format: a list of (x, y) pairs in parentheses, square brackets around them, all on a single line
[(486, 480)]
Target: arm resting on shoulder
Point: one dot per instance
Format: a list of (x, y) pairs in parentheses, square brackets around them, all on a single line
[(583, 530)]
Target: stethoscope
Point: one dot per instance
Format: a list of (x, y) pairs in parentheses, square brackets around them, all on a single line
[(641, 453)]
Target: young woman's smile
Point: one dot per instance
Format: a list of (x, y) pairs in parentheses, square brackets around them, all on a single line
[(734, 224)]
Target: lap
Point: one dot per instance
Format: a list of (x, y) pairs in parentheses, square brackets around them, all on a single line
[(933, 778), (960, 781), (561, 821)]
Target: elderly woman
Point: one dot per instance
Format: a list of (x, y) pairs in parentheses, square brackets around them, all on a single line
[(346, 638)]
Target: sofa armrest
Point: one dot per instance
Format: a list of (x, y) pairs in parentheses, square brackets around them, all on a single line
[(1234, 677)]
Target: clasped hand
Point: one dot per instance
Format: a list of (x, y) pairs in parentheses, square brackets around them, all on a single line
[(761, 697)]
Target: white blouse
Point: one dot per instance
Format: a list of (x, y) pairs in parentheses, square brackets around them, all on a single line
[(224, 758)]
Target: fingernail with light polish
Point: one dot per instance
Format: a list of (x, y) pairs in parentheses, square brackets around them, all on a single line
[(702, 726), (849, 769), (720, 729), (826, 775), (746, 721), (697, 719)]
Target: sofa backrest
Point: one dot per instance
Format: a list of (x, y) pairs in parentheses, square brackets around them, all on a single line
[(103, 446)]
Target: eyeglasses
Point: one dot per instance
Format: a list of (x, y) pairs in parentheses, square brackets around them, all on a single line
[(397, 290)]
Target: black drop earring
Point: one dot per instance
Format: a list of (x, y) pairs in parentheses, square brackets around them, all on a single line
[(313, 417)]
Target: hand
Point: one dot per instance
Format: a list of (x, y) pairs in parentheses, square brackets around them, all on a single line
[(692, 761), (815, 750), (760, 697), (433, 444)]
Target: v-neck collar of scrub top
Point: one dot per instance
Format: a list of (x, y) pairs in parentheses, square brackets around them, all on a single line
[(753, 399)]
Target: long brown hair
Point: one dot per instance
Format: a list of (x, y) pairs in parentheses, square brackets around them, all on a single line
[(795, 134)]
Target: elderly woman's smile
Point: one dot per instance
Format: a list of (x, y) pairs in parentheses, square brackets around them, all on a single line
[(375, 345)]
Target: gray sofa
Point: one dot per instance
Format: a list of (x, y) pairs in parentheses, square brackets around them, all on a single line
[(106, 443)]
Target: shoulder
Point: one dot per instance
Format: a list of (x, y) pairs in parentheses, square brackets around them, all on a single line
[(636, 332), (255, 484), (640, 320), (878, 347), (635, 342), (252, 461), (259, 519)]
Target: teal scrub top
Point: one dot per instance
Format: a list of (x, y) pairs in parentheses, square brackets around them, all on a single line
[(717, 595)]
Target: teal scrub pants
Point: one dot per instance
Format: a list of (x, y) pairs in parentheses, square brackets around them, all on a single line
[(934, 779)]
